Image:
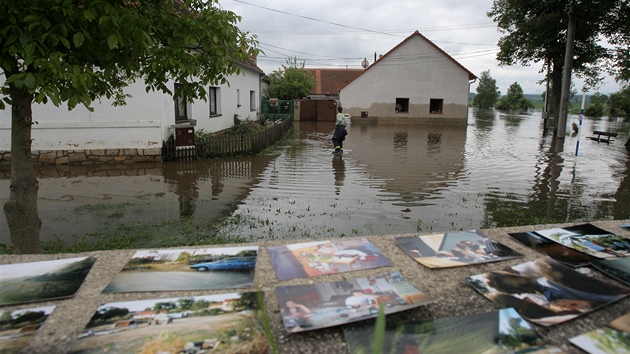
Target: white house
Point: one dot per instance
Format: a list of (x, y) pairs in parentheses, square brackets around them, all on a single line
[(134, 132), (416, 80)]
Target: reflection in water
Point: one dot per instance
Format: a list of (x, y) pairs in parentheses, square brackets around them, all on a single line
[(339, 170), (497, 170)]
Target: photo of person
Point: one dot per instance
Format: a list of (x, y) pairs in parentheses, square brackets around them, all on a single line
[(589, 239), (545, 291), (454, 249), (309, 307), (311, 259)]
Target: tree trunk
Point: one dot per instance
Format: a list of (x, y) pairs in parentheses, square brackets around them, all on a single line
[(556, 92), (21, 207)]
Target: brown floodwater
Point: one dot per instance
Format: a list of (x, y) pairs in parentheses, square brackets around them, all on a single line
[(497, 170)]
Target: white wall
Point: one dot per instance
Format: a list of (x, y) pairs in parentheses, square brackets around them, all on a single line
[(415, 70), (143, 123)]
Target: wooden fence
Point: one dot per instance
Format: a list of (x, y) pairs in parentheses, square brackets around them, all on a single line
[(228, 145)]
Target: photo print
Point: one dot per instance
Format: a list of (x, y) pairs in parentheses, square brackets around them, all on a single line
[(454, 249), (314, 306), (228, 323), (618, 268), (611, 339), (16, 327), (187, 269), (43, 281), (502, 331), (546, 291), (552, 249), (311, 259), (589, 239)]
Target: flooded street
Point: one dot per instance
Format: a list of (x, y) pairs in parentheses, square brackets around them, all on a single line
[(498, 170)]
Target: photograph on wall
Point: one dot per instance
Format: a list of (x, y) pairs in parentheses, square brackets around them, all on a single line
[(314, 306), (611, 339), (552, 249), (17, 327), (311, 259), (590, 240), (618, 268), (226, 323), (455, 249), (42, 281), (502, 331), (187, 269), (546, 291)]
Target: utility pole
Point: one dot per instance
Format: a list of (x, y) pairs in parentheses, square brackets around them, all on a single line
[(566, 77)]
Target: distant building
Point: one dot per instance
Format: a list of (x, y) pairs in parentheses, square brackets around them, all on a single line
[(329, 81), (416, 80)]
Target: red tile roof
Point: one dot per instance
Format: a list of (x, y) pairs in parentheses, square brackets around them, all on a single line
[(328, 81)]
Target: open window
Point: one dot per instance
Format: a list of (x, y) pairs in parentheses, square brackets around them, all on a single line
[(435, 106), (402, 105)]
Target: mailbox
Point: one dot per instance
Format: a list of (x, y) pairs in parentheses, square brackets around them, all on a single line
[(185, 136)]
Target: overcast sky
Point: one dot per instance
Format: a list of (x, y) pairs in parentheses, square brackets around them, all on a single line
[(336, 34)]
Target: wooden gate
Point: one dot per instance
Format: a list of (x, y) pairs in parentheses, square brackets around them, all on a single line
[(316, 110)]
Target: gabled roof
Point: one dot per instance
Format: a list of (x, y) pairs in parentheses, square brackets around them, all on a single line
[(471, 76), (329, 81)]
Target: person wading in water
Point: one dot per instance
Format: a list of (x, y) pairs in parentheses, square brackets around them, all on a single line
[(340, 131)]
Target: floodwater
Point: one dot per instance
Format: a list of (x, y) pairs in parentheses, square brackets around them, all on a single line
[(497, 170)]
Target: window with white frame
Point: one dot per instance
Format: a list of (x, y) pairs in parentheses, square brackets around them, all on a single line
[(252, 100)]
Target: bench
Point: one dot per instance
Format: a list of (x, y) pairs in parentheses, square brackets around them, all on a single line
[(603, 136)]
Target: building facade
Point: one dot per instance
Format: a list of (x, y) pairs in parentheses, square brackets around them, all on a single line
[(134, 132), (414, 81)]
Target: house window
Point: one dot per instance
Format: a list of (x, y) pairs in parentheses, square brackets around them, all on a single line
[(181, 105), (402, 105), (435, 106), (214, 96), (252, 100)]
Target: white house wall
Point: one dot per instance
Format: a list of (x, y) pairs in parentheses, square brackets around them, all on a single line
[(143, 123), (415, 70)]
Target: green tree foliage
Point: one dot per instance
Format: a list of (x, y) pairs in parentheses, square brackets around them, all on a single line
[(487, 91), (77, 51), (619, 104), (535, 32), (514, 100), (596, 107), (291, 82)]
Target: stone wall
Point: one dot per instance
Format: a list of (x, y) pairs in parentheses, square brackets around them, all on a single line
[(91, 157)]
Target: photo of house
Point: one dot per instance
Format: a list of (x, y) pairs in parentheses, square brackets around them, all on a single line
[(223, 322), (16, 327), (589, 239)]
